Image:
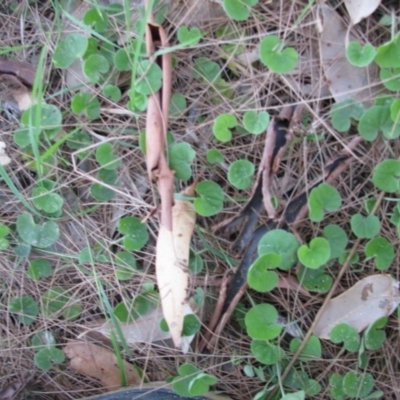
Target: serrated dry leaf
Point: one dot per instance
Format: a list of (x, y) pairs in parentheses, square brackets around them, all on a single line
[(344, 80), (371, 298), (360, 9), (145, 329), (100, 363)]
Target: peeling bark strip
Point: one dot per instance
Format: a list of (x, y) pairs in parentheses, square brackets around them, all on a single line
[(177, 221), (158, 106), (276, 141)]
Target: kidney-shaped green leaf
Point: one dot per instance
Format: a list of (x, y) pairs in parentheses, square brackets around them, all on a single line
[(280, 242)]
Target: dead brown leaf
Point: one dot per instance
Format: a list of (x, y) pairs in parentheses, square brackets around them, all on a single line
[(146, 329), (4, 159), (14, 93), (172, 264), (360, 9), (371, 298), (24, 72), (344, 80), (100, 363), (10, 391), (197, 13)]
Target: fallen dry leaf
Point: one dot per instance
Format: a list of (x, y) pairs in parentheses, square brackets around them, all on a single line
[(371, 298), (100, 363), (200, 13), (172, 264), (289, 282), (145, 329), (344, 80), (14, 94), (4, 159), (11, 390), (23, 71), (360, 9)]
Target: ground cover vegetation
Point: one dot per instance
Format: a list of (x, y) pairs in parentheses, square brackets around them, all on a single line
[(283, 115)]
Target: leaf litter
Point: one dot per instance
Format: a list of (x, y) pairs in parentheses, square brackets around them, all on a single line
[(360, 306), (144, 330), (344, 80), (296, 96), (360, 9), (100, 363)]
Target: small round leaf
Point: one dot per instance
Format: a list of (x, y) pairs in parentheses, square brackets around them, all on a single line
[(344, 111), (316, 254), (360, 56), (311, 351), (181, 156), (387, 176), (375, 336), (95, 66), (260, 322), (337, 239), (41, 236), (191, 325), (126, 265), (105, 156), (280, 242), (87, 104), (358, 386), (259, 278), (277, 58), (45, 358), (39, 268), (240, 174), (323, 197), (222, 127), (26, 308), (150, 78), (238, 10), (211, 199), (101, 193), (69, 49), (136, 234), (214, 156), (256, 123), (189, 37), (383, 252), (97, 19), (46, 200), (365, 227), (346, 334), (266, 353)]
